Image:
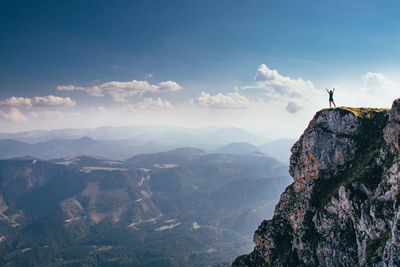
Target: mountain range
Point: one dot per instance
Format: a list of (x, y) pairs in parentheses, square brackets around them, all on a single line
[(123, 149), (183, 207), (205, 138)]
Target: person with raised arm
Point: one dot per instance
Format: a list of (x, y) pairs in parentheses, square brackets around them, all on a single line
[(330, 92)]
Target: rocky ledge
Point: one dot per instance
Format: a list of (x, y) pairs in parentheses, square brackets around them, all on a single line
[(343, 207)]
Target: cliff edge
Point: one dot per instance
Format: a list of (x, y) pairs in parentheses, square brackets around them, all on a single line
[(343, 207)]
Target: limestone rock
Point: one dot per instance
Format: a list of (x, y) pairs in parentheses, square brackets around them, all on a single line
[(343, 206)]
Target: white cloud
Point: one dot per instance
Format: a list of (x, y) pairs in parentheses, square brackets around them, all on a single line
[(220, 101), (375, 80), (287, 91), (152, 104), (168, 86), (119, 91), (17, 102), (278, 85), (49, 101), (99, 109), (14, 115), (52, 101), (69, 88), (292, 107)]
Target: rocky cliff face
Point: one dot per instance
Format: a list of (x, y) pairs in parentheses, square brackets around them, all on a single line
[(343, 207)]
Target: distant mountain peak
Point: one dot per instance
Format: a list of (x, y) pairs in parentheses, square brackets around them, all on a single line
[(237, 148)]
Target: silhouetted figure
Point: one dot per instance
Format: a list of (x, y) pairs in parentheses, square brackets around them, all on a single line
[(330, 92)]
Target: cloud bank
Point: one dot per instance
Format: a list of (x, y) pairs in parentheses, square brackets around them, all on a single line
[(220, 101), (150, 104), (46, 107), (13, 115), (119, 91), (49, 101)]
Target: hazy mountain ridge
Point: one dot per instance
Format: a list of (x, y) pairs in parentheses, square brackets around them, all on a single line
[(164, 209), (123, 149), (166, 135), (238, 148), (343, 207), (56, 148)]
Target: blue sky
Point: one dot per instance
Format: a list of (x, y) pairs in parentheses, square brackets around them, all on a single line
[(211, 52)]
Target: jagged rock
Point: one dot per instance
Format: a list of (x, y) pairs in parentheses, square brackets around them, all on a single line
[(343, 207)]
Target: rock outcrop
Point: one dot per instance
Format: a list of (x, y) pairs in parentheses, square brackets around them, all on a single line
[(343, 207)]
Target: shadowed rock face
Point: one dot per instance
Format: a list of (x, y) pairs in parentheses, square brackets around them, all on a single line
[(343, 207), (327, 144)]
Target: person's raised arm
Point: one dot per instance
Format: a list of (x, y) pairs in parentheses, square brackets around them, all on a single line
[(327, 90), (333, 89)]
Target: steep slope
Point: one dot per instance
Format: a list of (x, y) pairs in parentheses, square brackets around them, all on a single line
[(343, 207)]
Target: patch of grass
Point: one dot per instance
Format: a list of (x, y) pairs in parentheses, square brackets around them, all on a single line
[(365, 113)]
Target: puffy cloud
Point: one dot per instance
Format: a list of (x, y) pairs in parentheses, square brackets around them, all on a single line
[(119, 91), (45, 102), (149, 103), (169, 86), (292, 107), (278, 85), (14, 115), (99, 109), (375, 80), (17, 102), (220, 101), (286, 90), (52, 101), (49, 101)]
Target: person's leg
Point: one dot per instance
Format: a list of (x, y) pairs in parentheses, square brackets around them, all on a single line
[(333, 103), (329, 103)]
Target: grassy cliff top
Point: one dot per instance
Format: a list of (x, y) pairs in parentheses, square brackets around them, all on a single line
[(363, 113)]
